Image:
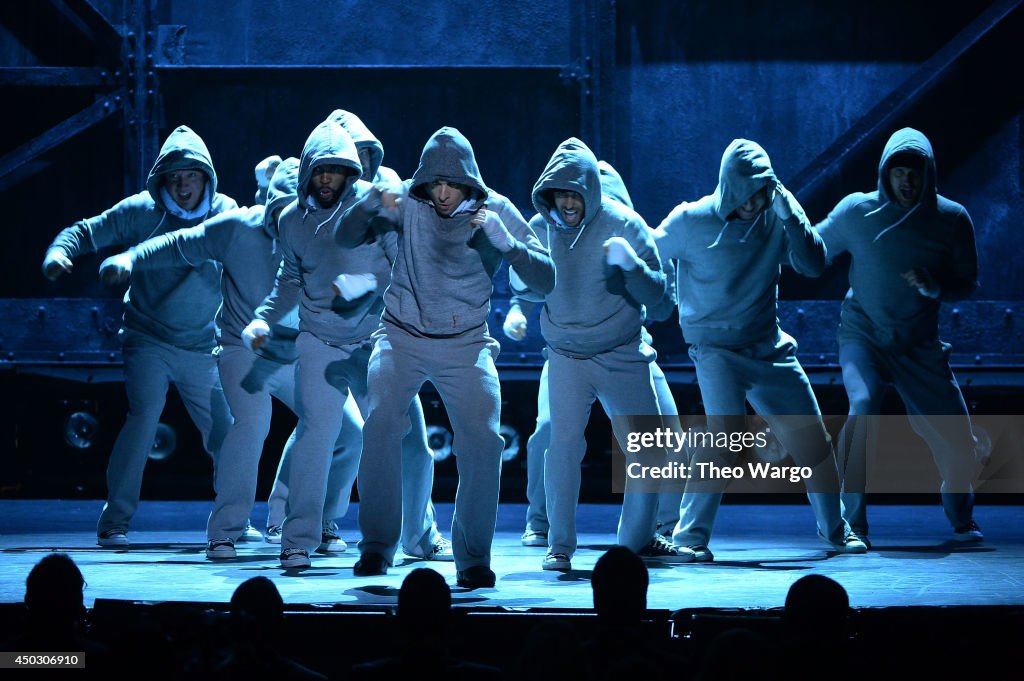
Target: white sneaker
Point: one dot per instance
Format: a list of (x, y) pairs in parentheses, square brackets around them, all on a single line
[(273, 535), (440, 551), (850, 544), (531, 538), (250, 533)]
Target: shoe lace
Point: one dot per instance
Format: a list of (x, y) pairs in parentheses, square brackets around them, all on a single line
[(330, 533), (662, 546)]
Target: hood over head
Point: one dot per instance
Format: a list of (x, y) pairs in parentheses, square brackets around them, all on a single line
[(612, 184), (328, 144), (264, 170), (573, 167), (745, 169), (448, 156), (281, 192), (361, 135), (182, 150), (913, 142)]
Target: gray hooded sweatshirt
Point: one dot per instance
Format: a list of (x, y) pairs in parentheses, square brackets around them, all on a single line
[(886, 240), (245, 242), (311, 260), (364, 139), (727, 270), (594, 307), (614, 187), (441, 284), (175, 305)]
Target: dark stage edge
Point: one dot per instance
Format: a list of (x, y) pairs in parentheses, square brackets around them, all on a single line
[(760, 551)]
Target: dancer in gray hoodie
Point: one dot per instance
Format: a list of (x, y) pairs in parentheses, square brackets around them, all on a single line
[(912, 249), (338, 294), (604, 254), (168, 328), (370, 149), (728, 247), (515, 327), (452, 235), (420, 538), (244, 241)]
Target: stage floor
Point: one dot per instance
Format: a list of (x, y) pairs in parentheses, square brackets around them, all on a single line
[(760, 551)]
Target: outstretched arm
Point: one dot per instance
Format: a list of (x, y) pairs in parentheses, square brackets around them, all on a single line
[(636, 255), (379, 209), (89, 235), (509, 233)]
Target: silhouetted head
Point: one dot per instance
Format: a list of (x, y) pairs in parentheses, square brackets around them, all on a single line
[(620, 583), (53, 590), (257, 607), (424, 595), (817, 607)]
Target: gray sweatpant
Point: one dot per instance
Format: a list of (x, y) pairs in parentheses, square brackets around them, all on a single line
[(149, 369), (621, 380), (324, 376), (537, 447), (922, 377), (339, 492), (250, 381), (463, 372), (769, 375)]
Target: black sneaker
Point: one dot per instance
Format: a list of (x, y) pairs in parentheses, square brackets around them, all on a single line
[(294, 558), (330, 540), (220, 549), (115, 537), (476, 577), (968, 533), (662, 549), (701, 553), (370, 564)]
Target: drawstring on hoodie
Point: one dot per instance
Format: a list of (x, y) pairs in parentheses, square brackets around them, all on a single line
[(329, 218), (893, 225), (743, 239), (311, 203), (157, 228), (554, 216)]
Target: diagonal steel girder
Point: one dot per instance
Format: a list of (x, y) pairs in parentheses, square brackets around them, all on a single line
[(881, 116), (98, 27), (63, 131)]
